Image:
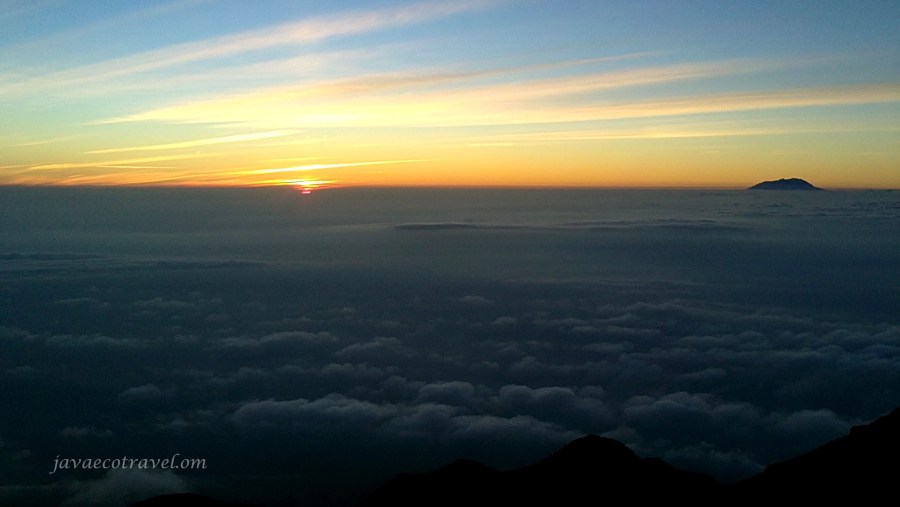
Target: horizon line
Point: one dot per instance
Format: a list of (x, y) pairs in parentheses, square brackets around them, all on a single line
[(415, 186)]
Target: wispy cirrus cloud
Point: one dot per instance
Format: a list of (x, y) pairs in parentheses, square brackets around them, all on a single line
[(602, 81), (317, 167), (429, 96), (727, 102), (24, 142), (144, 171), (460, 99), (292, 33), (679, 130), (113, 163), (237, 138), (71, 35)]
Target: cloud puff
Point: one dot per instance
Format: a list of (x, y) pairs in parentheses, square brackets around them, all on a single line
[(475, 300), (497, 432), (379, 349), (322, 415), (796, 432), (814, 422), (279, 340), (84, 432), (506, 320), (91, 341), (122, 486), (142, 393), (457, 393), (21, 371), (356, 371), (427, 421), (163, 304), (83, 303), (558, 404)]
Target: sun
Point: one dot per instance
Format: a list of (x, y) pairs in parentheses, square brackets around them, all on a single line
[(306, 187)]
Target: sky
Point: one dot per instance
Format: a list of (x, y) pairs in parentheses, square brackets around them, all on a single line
[(465, 93)]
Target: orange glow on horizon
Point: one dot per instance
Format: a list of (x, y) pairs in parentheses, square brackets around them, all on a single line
[(307, 186)]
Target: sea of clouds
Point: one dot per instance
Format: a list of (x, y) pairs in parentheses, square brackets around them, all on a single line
[(309, 347)]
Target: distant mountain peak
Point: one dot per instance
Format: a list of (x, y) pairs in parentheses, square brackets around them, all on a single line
[(591, 451), (784, 184)]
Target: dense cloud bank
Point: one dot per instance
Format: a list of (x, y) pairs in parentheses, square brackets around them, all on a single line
[(329, 341)]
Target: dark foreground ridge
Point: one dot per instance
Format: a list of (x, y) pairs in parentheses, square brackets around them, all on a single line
[(187, 500), (784, 184), (861, 467), (584, 468)]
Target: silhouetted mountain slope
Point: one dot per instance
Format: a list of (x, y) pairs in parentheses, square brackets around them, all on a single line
[(864, 465), (784, 184), (461, 481), (186, 500), (587, 467), (861, 468), (581, 467)]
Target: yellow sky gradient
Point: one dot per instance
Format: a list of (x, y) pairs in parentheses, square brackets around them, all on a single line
[(365, 97)]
